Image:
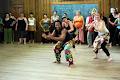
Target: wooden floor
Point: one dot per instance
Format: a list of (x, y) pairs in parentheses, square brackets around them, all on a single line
[(34, 62)]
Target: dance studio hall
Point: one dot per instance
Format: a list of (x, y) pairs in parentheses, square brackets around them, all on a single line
[(59, 40)]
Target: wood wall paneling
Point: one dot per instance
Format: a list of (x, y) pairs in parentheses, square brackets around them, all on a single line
[(39, 7), (43, 6), (16, 7)]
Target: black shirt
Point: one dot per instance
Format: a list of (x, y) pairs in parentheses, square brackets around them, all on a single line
[(21, 25), (7, 23), (112, 18)]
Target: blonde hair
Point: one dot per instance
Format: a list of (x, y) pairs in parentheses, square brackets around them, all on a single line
[(78, 11)]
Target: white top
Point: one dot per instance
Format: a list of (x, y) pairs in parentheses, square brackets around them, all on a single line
[(55, 18), (101, 27), (46, 20), (87, 21), (31, 21)]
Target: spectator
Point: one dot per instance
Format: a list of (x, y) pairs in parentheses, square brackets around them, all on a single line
[(45, 24), (8, 32), (31, 28), (1, 30), (78, 22), (21, 28)]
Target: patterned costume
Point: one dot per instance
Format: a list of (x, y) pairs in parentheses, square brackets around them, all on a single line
[(99, 40), (65, 45), (102, 39)]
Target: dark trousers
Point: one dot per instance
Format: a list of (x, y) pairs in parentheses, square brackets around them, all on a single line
[(103, 47), (68, 55), (1, 37), (117, 37), (31, 35), (112, 33), (95, 35)]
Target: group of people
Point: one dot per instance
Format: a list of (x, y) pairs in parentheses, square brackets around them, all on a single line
[(48, 24), (66, 32), (23, 28), (98, 35), (82, 26), (112, 24)]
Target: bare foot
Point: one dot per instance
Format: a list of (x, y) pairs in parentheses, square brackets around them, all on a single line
[(24, 43), (88, 46), (109, 59), (95, 57), (110, 45), (72, 66), (57, 62), (19, 43)]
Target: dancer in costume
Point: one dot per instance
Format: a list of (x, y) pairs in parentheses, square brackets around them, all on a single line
[(64, 43), (68, 25), (102, 38)]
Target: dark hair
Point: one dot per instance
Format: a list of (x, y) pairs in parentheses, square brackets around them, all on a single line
[(6, 14), (31, 13), (45, 14), (58, 21), (65, 13), (116, 10), (54, 11), (64, 18), (21, 13)]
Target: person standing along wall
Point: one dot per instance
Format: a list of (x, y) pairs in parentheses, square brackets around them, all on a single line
[(90, 33), (8, 33), (54, 18), (78, 22), (45, 24), (13, 26), (21, 28), (31, 28), (1, 30), (117, 31), (112, 27)]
